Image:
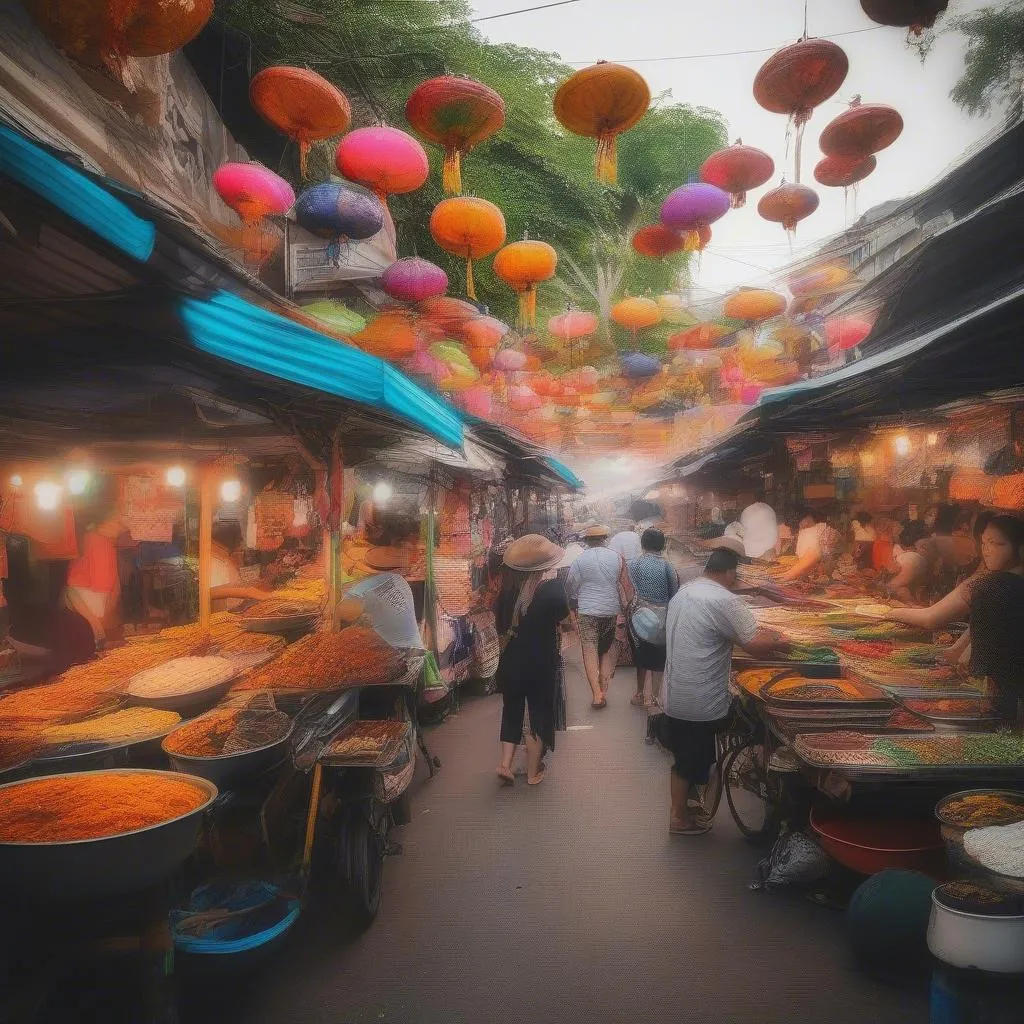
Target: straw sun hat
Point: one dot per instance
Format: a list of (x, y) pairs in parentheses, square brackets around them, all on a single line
[(596, 531), (533, 553), (733, 544)]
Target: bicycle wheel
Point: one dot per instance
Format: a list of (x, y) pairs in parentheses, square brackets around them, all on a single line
[(749, 791), (709, 795)]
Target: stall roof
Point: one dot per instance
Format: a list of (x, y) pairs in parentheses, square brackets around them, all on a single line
[(523, 459), (136, 240)]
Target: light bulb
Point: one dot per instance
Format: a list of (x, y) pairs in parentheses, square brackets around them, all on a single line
[(902, 445), (933, 440), (78, 480), (176, 476), (382, 492), (47, 495), (16, 480), (230, 491)]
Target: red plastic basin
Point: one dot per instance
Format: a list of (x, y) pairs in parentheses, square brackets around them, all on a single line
[(869, 843)]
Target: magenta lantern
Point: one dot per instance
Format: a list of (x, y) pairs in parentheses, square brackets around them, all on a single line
[(846, 332), (413, 280), (477, 401), (385, 160), (695, 206), (750, 392), (253, 191)]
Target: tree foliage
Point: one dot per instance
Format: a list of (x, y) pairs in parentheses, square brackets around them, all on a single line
[(541, 177), (994, 60)]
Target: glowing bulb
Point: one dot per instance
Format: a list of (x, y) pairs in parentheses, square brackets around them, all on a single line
[(16, 480), (382, 492), (867, 459), (230, 491), (933, 440), (902, 445), (78, 480), (176, 476), (48, 495)]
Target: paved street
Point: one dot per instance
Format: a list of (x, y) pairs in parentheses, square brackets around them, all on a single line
[(569, 902)]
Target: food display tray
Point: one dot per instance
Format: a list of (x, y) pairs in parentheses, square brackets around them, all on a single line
[(281, 623), (813, 670), (385, 759)]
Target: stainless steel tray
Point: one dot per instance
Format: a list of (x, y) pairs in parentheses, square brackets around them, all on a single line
[(385, 759)]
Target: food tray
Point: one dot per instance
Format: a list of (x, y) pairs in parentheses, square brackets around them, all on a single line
[(392, 749), (813, 670), (873, 699), (281, 623)]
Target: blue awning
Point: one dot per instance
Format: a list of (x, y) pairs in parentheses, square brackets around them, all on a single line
[(564, 472), (77, 195), (238, 331)]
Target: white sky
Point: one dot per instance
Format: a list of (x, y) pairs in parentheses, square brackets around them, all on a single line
[(882, 69)]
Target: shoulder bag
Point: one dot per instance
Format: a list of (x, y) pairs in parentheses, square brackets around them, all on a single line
[(649, 621)]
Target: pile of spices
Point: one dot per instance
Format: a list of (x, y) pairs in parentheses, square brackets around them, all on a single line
[(753, 679), (223, 625), (958, 707), (356, 656), (233, 728), (180, 677), (277, 608), (119, 727), (16, 749), (903, 721), (92, 805), (813, 654), (972, 898), (303, 590), (912, 751), (999, 848), (979, 810), (252, 643)]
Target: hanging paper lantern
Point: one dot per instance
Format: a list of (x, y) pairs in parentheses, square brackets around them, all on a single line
[(482, 357), (301, 104), (456, 113), (601, 102), (335, 315), (481, 332), (656, 241), (846, 332), (637, 365), (737, 170), (108, 34), (702, 336), (477, 401), (750, 392), (843, 171), (389, 335), (387, 161), (799, 78), (636, 314), (695, 206), (522, 266), (788, 204), (820, 281), (863, 129), (252, 191), (572, 325), (470, 228), (446, 315), (915, 15), (510, 360), (753, 305), (339, 212), (256, 244), (413, 280)]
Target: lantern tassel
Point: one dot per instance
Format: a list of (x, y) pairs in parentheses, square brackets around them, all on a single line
[(739, 199), (470, 289), (303, 156), (606, 166), (451, 173), (528, 306)]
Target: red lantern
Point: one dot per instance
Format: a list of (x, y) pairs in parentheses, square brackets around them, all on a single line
[(799, 78), (300, 104), (387, 161), (846, 332), (657, 241), (456, 113), (916, 15), (843, 171), (864, 129), (737, 170), (788, 204)]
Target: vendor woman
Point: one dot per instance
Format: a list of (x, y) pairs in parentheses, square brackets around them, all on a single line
[(997, 642), (815, 544), (1002, 550), (226, 588)]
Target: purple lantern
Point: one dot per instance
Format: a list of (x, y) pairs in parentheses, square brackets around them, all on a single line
[(637, 366), (413, 280), (342, 213), (695, 206)]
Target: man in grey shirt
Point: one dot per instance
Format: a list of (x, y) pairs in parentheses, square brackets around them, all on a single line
[(705, 620)]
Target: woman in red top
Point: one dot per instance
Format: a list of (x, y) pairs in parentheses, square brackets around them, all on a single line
[(94, 583)]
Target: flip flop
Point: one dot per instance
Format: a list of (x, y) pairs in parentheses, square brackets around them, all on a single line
[(692, 830), (599, 705), (506, 779), (637, 702), (536, 780)]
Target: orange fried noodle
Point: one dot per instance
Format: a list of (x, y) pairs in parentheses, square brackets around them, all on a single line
[(92, 805)]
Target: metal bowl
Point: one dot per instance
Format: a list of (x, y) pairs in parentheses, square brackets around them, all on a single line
[(225, 769), (89, 869)]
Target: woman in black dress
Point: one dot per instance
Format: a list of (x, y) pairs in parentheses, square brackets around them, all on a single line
[(531, 607)]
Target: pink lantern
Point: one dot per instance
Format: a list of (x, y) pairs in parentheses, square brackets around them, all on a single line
[(423, 364), (572, 324), (253, 191), (385, 160), (413, 280), (522, 398), (509, 360), (846, 332), (750, 392), (477, 401)]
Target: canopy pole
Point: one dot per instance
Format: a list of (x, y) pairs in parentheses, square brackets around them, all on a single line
[(206, 485)]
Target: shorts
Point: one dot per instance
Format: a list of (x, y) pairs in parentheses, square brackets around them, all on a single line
[(598, 630), (692, 744)]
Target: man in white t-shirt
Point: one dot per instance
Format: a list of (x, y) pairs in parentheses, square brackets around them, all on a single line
[(705, 620), (626, 543)]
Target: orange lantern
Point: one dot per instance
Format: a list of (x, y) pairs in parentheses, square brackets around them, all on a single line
[(482, 332), (390, 335), (700, 337), (658, 241), (442, 314), (601, 102), (522, 266), (109, 33), (301, 104), (468, 227), (753, 305), (636, 314), (788, 204)]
